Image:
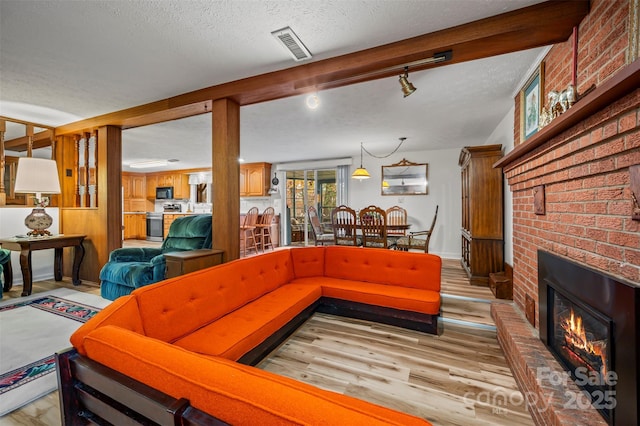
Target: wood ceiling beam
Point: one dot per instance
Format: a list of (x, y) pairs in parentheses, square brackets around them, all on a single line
[(538, 25), (21, 144)]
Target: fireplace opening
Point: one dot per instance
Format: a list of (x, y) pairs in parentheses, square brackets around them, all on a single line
[(590, 321), (582, 342)]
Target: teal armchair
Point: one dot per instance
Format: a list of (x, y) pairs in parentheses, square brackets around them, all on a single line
[(130, 267)]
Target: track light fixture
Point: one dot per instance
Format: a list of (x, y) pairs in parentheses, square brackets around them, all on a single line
[(407, 86)]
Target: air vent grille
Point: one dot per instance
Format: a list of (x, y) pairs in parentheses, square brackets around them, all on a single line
[(292, 43)]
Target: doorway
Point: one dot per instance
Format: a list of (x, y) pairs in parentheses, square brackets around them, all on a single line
[(306, 188)]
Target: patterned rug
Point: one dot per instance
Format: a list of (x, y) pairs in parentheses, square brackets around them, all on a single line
[(32, 329)]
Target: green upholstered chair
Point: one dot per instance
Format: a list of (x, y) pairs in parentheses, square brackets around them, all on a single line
[(5, 259), (132, 267)]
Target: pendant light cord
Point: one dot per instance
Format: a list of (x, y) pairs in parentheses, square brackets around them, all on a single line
[(383, 156)]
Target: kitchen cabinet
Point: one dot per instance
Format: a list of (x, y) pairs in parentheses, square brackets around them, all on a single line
[(135, 227), (138, 187), (255, 179), (180, 186), (179, 181), (134, 192), (482, 212), (167, 220), (152, 182)]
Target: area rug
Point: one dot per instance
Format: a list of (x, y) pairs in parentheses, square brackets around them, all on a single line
[(32, 330)]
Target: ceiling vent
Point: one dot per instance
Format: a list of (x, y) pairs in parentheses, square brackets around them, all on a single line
[(292, 43)]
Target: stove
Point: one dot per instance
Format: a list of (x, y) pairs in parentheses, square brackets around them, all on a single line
[(172, 207)]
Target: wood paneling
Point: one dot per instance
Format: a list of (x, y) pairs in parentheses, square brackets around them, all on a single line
[(103, 224)]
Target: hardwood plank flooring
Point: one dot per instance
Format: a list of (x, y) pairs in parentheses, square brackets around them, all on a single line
[(459, 377)]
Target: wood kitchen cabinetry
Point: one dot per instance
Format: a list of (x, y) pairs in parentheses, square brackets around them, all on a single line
[(482, 212), (134, 192), (135, 226), (152, 182), (178, 180), (255, 179), (167, 220)]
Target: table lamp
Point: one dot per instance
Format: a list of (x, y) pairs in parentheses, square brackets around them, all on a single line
[(37, 175)]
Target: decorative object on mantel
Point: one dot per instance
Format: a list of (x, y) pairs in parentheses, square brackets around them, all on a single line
[(538, 200), (37, 175), (634, 186), (531, 103)]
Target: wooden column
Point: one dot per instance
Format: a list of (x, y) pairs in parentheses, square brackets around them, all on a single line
[(226, 177)]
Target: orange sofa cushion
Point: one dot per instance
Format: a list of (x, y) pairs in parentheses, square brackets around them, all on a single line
[(404, 298), (382, 266), (236, 394), (237, 333)]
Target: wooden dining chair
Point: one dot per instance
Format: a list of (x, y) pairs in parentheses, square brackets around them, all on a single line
[(248, 232), (344, 223), (418, 240), (373, 224), (319, 235), (396, 215), (263, 229)]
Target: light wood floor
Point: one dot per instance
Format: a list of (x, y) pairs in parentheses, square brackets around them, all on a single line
[(459, 377)]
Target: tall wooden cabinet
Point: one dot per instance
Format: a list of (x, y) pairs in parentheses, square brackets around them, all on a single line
[(482, 212)]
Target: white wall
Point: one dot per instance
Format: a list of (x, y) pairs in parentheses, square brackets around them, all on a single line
[(12, 224), (444, 191), (503, 134)]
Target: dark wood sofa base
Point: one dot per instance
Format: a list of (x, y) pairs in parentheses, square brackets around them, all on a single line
[(91, 393)]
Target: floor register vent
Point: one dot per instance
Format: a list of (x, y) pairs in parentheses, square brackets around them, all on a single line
[(292, 43)]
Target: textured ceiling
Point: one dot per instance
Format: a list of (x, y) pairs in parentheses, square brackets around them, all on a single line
[(65, 60)]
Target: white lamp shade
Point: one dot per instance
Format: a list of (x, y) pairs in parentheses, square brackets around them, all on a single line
[(37, 175)]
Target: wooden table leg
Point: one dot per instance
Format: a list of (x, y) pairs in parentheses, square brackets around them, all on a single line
[(77, 260), (57, 264), (8, 276), (25, 265)]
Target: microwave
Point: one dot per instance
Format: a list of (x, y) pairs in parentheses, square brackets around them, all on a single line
[(164, 193)]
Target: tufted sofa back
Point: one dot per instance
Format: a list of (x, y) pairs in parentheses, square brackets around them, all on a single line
[(176, 307)]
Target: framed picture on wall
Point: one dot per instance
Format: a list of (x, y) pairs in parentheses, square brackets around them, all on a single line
[(531, 103)]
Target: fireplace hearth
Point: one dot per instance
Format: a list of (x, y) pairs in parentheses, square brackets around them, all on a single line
[(589, 322)]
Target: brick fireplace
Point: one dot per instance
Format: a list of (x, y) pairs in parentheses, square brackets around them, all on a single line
[(581, 163)]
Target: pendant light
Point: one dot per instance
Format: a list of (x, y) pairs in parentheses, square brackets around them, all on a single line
[(361, 172)]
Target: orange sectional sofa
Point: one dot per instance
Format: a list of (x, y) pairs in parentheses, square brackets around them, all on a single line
[(184, 348)]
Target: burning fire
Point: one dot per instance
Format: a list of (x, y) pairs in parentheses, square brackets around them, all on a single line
[(576, 338)]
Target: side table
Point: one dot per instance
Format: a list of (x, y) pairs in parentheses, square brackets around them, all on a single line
[(57, 242), (183, 262)]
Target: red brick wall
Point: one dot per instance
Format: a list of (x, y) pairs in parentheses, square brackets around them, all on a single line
[(584, 169)]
